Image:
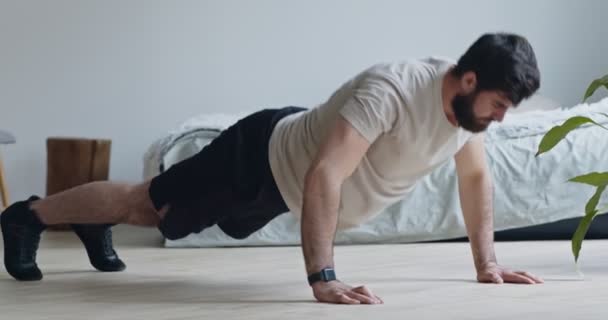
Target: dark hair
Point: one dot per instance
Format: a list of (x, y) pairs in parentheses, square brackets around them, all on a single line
[(503, 62)]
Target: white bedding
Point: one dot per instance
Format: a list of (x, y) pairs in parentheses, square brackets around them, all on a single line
[(528, 190)]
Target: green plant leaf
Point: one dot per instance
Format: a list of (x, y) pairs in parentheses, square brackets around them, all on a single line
[(557, 133), (595, 199), (579, 234), (595, 84), (596, 179), (583, 226)]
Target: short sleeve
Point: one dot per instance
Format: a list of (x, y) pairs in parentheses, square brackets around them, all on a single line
[(373, 106)]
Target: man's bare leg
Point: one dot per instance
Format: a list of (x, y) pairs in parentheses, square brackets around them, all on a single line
[(91, 209), (99, 203)]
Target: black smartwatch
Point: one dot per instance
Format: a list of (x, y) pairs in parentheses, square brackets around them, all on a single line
[(326, 275)]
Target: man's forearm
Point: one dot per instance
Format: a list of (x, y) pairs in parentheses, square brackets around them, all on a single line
[(319, 220), (476, 197)]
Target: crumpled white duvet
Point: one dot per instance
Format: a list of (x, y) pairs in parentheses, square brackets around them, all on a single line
[(527, 190)]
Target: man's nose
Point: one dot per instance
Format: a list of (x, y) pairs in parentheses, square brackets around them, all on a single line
[(499, 115)]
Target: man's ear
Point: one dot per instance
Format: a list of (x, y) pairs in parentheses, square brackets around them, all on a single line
[(468, 82)]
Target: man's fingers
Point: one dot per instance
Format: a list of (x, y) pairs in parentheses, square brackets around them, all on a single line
[(499, 275), (343, 298), (531, 276), (517, 278), (495, 278), (335, 292), (378, 298), (367, 292), (490, 277), (361, 297)]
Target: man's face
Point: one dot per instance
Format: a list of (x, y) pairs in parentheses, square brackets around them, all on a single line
[(475, 111)]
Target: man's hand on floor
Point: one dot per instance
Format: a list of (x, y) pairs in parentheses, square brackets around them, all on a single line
[(338, 292), (493, 273)]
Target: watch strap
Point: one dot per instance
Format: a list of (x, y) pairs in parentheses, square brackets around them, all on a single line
[(326, 275)]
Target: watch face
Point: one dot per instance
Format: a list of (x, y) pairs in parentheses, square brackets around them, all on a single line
[(328, 274)]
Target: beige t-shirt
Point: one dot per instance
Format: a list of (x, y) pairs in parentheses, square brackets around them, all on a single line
[(398, 109)]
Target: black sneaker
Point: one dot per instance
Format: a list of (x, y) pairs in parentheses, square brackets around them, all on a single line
[(97, 240), (21, 231)]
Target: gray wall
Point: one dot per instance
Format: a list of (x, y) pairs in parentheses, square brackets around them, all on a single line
[(131, 70)]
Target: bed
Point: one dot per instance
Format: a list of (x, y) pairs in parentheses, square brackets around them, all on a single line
[(533, 199)]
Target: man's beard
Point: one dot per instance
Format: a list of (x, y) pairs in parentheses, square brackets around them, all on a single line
[(463, 111)]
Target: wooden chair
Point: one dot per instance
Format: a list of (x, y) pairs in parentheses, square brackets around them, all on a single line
[(5, 138)]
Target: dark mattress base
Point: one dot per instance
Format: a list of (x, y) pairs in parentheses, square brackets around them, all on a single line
[(559, 230)]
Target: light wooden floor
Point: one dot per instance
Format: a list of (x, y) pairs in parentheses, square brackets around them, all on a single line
[(422, 281)]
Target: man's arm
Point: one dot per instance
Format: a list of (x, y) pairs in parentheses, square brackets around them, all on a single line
[(337, 158), (476, 197), (475, 190)]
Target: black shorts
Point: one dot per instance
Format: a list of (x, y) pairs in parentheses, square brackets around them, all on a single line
[(228, 183)]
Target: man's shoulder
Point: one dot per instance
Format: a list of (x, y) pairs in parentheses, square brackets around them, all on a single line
[(431, 63), (410, 73)]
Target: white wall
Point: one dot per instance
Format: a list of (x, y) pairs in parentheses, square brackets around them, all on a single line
[(131, 70)]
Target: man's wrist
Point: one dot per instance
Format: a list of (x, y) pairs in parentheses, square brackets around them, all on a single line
[(485, 265), (324, 275), (321, 284)]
